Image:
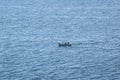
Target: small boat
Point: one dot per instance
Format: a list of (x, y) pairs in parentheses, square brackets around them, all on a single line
[(66, 44)]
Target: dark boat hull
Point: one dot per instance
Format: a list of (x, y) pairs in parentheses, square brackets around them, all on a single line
[(64, 45)]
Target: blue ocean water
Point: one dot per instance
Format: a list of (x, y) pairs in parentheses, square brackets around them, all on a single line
[(30, 31)]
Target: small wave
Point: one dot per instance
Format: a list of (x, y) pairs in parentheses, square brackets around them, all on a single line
[(13, 7)]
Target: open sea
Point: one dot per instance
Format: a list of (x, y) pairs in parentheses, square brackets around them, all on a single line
[(30, 31)]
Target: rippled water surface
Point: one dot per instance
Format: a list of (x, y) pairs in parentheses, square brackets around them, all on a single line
[(30, 31)]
